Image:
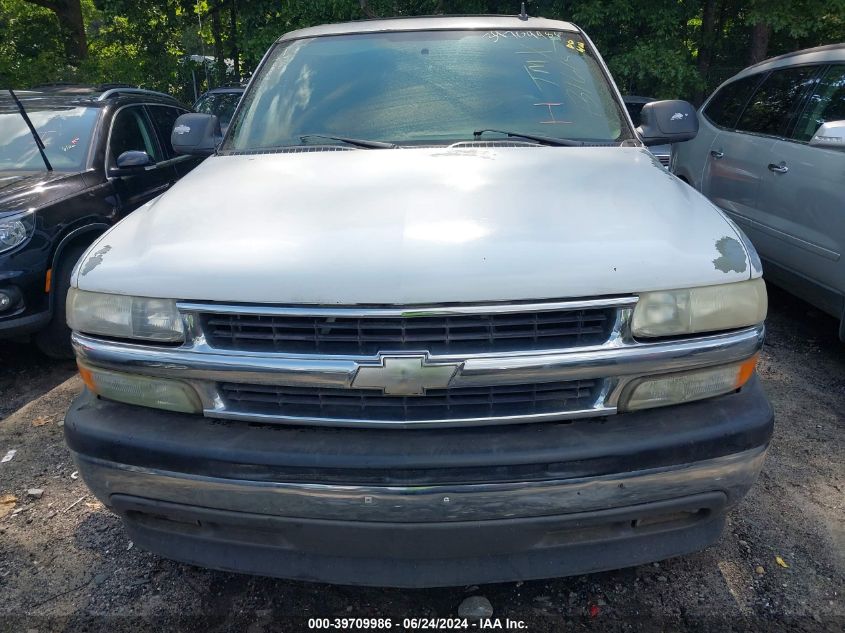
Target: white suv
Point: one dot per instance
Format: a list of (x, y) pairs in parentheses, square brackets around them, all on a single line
[(372, 340)]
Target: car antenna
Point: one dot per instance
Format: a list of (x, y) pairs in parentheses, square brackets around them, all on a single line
[(523, 14), (29, 124)]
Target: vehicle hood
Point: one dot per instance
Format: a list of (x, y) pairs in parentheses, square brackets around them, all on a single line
[(23, 190), (419, 226)]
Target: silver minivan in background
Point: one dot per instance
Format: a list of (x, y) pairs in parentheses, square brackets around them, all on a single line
[(770, 152)]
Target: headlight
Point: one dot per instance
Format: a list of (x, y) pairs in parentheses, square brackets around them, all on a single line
[(122, 316), (660, 391), (15, 230), (144, 391), (705, 309)]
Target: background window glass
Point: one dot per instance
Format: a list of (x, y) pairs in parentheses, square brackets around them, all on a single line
[(777, 100), (132, 132), (725, 106), (66, 133), (827, 103), (164, 118)]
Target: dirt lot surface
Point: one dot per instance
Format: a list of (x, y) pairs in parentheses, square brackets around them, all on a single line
[(67, 565)]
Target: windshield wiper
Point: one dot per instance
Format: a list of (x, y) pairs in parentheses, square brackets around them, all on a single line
[(543, 140), (358, 142), (31, 127)]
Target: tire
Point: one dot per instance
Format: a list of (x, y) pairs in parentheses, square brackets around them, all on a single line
[(54, 340)]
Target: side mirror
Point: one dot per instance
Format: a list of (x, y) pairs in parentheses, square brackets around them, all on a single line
[(197, 134), (131, 162), (663, 122), (830, 135)]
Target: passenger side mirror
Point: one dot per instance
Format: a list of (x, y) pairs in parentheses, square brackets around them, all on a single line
[(830, 135), (671, 121), (196, 134), (131, 162)]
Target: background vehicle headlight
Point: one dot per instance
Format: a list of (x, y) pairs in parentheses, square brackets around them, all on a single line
[(122, 316), (15, 230), (704, 309), (661, 391)]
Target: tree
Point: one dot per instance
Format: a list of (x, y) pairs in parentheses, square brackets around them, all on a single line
[(760, 34), (234, 51), (72, 25), (657, 48), (706, 43), (796, 19)]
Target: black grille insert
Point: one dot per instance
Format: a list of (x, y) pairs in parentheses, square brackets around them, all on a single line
[(437, 404), (454, 334)]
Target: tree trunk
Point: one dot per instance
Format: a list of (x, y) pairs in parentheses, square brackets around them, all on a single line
[(760, 33), (367, 10), (217, 35), (233, 39), (706, 44), (69, 14)]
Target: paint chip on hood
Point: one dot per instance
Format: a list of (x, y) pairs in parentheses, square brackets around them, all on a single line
[(732, 256)]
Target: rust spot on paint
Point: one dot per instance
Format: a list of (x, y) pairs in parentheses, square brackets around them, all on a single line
[(731, 256)]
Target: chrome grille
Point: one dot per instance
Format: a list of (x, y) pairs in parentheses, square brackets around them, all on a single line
[(434, 333), (456, 403)]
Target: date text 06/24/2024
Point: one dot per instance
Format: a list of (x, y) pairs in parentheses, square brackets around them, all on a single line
[(414, 624)]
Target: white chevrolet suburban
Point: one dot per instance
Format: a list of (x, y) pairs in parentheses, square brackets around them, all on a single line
[(429, 314)]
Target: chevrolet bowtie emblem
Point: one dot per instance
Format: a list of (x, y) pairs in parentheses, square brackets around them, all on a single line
[(404, 375)]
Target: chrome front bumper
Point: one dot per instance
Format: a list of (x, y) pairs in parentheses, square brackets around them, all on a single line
[(730, 474)]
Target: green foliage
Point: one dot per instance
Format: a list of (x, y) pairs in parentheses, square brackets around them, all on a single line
[(652, 46), (648, 46), (30, 49), (139, 43)]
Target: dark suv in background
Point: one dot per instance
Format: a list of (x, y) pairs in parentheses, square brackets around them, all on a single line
[(220, 102), (96, 155)]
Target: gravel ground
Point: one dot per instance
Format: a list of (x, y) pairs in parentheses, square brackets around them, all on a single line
[(67, 565)]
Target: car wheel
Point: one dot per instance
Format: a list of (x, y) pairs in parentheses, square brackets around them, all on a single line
[(54, 340)]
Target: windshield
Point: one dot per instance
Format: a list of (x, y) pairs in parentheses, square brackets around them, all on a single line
[(428, 87), (66, 133), (221, 104)]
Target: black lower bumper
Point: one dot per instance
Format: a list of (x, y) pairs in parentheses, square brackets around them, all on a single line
[(424, 555), (24, 324), (423, 507)]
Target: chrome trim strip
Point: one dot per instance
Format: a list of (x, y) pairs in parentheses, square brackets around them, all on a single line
[(635, 359), (618, 359), (361, 312), (597, 411), (733, 474)]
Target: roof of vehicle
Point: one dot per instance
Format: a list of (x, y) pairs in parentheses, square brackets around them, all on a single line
[(69, 95), (819, 54), (433, 23)]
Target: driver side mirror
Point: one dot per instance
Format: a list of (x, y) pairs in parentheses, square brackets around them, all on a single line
[(131, 162), (830, 135), (196, 134), (665, 122)]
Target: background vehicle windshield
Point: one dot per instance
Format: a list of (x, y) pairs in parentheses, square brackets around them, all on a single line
[(220, 103), (431, 86), (66, 133)]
